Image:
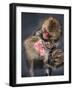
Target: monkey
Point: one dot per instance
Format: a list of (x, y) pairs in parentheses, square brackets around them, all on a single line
[(42, 45)]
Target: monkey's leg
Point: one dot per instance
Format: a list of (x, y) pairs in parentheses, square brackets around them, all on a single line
[(45, 61), (48, 69), (31, 67)]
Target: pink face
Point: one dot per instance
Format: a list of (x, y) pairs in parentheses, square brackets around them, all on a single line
[(46, 35)]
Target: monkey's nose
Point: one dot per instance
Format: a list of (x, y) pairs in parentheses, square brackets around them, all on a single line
[(47, 34)]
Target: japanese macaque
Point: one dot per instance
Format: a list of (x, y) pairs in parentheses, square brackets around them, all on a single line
[(42, 45)]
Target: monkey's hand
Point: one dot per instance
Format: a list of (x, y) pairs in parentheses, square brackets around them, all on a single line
[(49, 45)]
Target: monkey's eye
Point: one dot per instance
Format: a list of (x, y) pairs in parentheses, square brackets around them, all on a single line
[(45, 31)]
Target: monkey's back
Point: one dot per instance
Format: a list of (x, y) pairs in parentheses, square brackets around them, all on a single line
[(29, 49)]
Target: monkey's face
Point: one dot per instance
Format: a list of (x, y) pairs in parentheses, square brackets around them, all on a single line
[(46, 34), (51, 29)]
